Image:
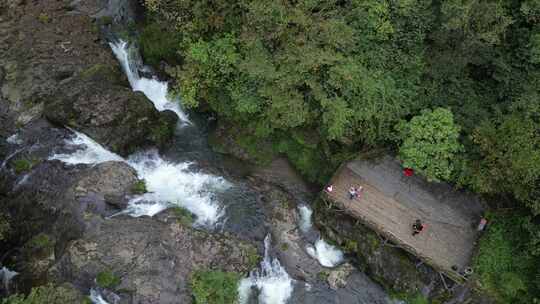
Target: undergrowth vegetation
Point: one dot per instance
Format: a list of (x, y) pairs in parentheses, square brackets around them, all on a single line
[(214, 287)]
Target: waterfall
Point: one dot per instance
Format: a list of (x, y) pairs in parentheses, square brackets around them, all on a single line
[(168, 183), (326, 254), (5, 277), (305, 218), (271, 279), (96, 297), (157, 91)]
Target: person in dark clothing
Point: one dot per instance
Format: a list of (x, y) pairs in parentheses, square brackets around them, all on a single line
[(418, 227)]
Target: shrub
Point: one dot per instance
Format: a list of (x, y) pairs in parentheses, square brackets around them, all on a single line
[(183, 216), (107, 279), (46, 294), (41, 242), (44, 18), (505, 267), (214, 287), (159, 43), (140, 187), (22, 165)]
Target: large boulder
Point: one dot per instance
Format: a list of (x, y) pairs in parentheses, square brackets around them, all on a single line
[(151, 259), (54, 61), (99, 103)]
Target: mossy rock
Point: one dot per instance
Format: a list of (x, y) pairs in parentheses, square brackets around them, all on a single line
[(22, 165), (139, 187), (104, 72), (183, 216), (107, 279)]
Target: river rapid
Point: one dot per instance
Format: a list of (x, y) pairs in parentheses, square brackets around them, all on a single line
[(188, 174)]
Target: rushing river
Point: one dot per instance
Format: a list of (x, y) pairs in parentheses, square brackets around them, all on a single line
[(185, 175)]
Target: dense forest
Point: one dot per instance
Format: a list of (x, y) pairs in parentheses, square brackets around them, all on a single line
[(450, 87)]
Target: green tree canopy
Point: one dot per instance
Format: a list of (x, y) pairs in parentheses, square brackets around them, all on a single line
[(430, 143)]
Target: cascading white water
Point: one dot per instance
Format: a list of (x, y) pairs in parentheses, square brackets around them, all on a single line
[(326, 254), (273, 282), (96, 298), (89, 152), (155, 90), (168, 183), (305, 218), (6, 275), (173, 183)]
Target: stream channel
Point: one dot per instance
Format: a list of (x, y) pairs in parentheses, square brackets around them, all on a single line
[(189, 174)]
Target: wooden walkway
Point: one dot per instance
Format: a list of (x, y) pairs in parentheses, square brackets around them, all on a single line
[(391, 202)]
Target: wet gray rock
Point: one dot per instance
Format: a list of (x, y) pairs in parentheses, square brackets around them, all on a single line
[(54, 199), (152, 258)]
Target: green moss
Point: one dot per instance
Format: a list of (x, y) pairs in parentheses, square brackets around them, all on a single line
[(162, 131), (107, 279), (410, 298), (105, 20), (49, 294), (350, 245), (139, 187), (103, 72), (253, 257), (284, 246), (323, 275), (40, 242), (214, 287), (87, 300), (183, 216), (22, 165), (44, 18)]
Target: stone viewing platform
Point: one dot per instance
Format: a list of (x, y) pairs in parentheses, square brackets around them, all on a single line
[(390, 203)]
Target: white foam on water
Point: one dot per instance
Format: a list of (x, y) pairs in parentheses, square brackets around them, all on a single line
[(14, 139), (305, 218), (96, 297), (6, 275), (88, 152), (168, 183), (271, 279), (171, 183), (155, 90), (326, 254)]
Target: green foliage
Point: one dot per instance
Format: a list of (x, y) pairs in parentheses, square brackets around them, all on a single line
[(44, 18), (40, 242), (140, 187), (416, 298), (505, 263), (46, 294), (159, 43), (430, 143), (214, 287), (22, 165), (183, 216), (107, 279)]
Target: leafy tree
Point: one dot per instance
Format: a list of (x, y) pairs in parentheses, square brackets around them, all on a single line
[(430, 143)]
